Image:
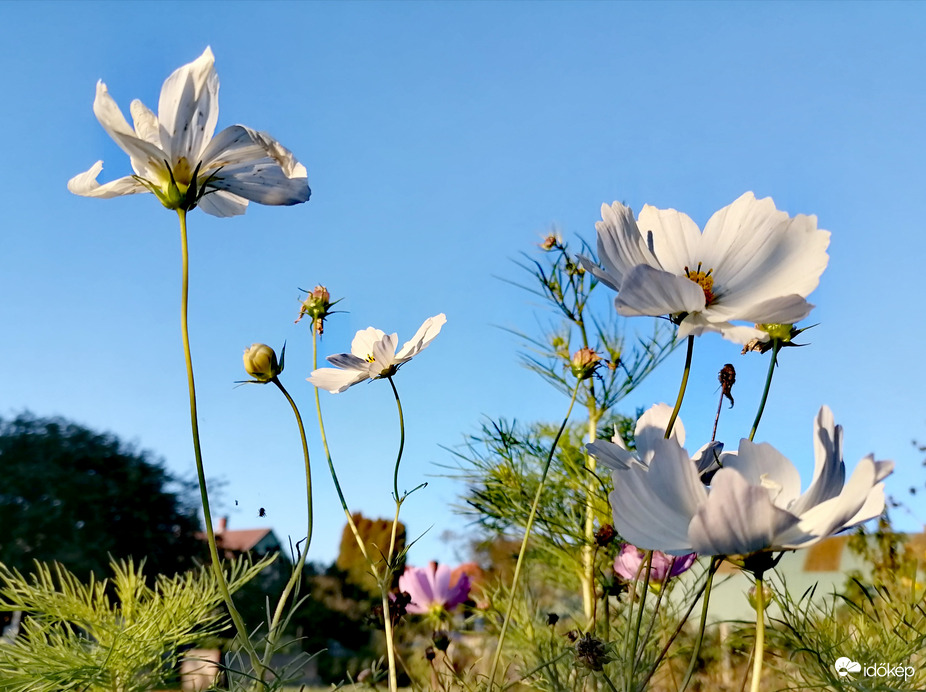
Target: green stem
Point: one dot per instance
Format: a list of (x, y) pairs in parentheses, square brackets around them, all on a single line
[(390, 568), (608, 681), (273, 635), (776, 346), (636, 629), (331, 470), (398, 403), (527, 532), (197, 453), (715, 564), (760, 634), (665, 649), (682, 387)]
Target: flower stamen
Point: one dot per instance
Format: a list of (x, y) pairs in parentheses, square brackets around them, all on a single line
[(704, 280)]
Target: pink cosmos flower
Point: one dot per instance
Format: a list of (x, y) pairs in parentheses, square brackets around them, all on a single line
[(629, 564), (431, 590)]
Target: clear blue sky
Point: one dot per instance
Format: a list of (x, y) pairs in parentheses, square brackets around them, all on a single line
[(441, 140)]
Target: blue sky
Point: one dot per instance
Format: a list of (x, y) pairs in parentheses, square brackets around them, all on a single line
[(442, 140)]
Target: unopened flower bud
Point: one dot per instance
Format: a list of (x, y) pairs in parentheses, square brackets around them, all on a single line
[(316, 305), (584, 363), (441, 639), (260, 362), (552, 619), (550, 242), (766, 597)]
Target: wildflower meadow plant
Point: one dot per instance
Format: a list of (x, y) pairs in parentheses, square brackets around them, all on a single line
[(605, 514), (176, 157)]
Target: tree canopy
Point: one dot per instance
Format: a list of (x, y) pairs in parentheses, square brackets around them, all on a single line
[(82, 498)]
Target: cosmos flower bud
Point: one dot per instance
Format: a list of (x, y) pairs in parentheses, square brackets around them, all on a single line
[(550, 242), (751, 595), (260, 362), (317, 305), (584, 363)]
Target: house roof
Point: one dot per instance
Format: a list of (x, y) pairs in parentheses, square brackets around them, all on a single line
[(240, 540)]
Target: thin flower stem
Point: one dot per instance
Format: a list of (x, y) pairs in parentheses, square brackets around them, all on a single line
[(197, 453), (608, 681), (536, 669), (639, 623), (681, 388), (331, 470), (387, 580), (776, 346), (715, 564), (390, 646), (760, 634), (681, 623), (273, 634), (398, 403), (527, 532)]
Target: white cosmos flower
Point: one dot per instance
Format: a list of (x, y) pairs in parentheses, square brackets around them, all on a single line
[(754, 502), (373, 355), (752, 263), (175, 156)]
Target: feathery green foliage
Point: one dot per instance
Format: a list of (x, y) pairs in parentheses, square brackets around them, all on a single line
[(114, 635)]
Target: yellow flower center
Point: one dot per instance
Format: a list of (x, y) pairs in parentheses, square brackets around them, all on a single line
[(183, 173), (370, 358), (704, 280)]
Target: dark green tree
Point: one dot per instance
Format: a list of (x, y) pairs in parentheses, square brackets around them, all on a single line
[(82, 498)]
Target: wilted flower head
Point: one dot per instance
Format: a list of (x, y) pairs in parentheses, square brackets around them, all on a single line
[(752, 263), (373, 356), (431, 590), (630, 564), (260, 362), (754, 502), (591, 653), (175, 156)]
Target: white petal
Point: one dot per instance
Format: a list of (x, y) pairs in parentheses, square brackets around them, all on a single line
[(640, 516), (697, 323), (223, 204), (424, 336), (763, 465), (829, 472), (347, 361), (738, 518), (781, 310), (604, 277), (651, 427), (652, 292), (146, 123), (621, 246), (835, 514), (707, 458), (384, 352), (85, 184), (189, 108), (610, 455), (364, 340), (675, 238), (757, 252), (145, 156), (336, 380)]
